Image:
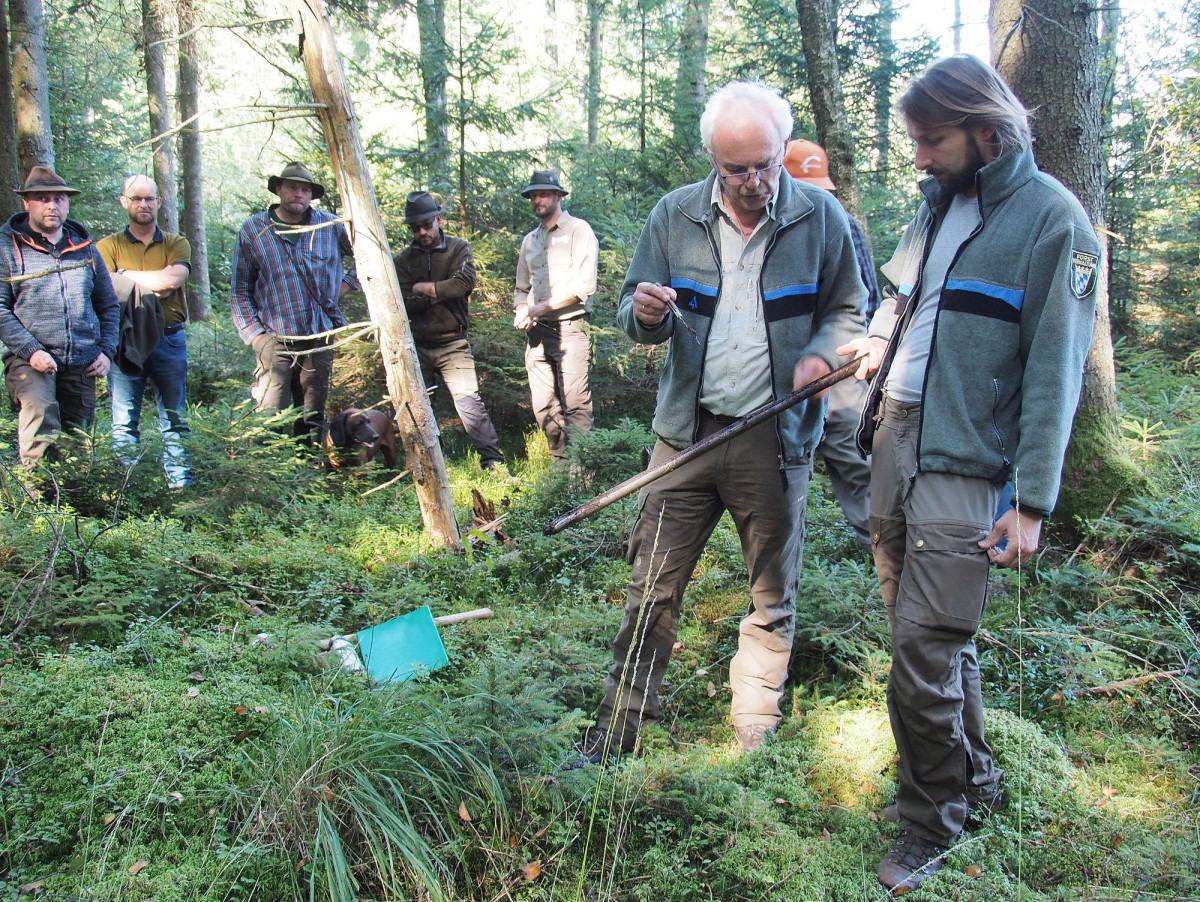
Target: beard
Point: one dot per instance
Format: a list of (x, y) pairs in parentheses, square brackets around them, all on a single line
[(964, 179)]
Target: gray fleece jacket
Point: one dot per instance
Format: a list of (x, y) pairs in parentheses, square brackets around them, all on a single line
[(56, 299), (812, 298), (1014, 325)]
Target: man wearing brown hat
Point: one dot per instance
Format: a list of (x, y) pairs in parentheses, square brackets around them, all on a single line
[(287, 280), (437, 275), (556, 278), (58, 316), (848, 472)]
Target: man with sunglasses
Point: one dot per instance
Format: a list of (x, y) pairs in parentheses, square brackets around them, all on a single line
[(751, 278), (437, 275)]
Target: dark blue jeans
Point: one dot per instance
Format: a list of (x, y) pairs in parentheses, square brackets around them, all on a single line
[(166, 372)]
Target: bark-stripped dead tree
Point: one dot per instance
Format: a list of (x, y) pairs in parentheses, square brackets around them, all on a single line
[(373, 261)]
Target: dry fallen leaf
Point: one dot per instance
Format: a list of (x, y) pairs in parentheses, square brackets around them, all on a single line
[(532, 871), (825, 837), (463, 813), (240, 737), (973, 870), (712, 689), (138, 866), (261, 709), (32, 887), (175, 796), (108, 818), (241, 710), (781, 801), (193, 692), (197, 677)]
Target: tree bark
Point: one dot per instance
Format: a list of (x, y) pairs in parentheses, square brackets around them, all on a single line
[(373, 260), (191, 160), (31, 90), (1049, 53), (153, 34), (690, 82), (431, 26), (829, 106), (9, 204)]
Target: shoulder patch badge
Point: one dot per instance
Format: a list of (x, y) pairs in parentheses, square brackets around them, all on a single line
[(1084, 268)]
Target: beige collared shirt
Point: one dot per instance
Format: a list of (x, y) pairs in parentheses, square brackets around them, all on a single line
[(737, 365), (558, 262)]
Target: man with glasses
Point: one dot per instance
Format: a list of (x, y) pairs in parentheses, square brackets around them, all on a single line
[(149, 268), (752, 280), (437, 275), (552, 302)]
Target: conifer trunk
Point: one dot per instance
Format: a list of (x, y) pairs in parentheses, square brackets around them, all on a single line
[(1049, 53)]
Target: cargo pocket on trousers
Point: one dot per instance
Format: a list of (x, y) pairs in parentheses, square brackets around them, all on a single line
[(945, 577)]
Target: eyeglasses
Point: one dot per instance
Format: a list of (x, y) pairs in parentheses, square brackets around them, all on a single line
[(141, 200), (740, 178), (426, 225)]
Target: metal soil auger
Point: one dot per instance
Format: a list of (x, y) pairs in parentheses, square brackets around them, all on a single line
[(734, 429)]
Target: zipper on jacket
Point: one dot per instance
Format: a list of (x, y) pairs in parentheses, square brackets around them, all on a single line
[(937, 317)]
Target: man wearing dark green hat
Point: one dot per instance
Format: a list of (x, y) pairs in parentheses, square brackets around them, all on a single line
[(287, 280), (556, 278), (437, 275)]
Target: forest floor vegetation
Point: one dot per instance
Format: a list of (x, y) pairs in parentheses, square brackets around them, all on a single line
[(169, 729)]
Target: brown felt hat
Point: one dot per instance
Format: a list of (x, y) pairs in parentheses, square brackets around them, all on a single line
[(43, 178), (296, 172)]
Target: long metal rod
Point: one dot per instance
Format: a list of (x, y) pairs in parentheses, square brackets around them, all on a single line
[(675, 461)]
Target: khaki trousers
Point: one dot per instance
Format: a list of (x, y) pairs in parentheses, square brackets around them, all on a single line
[(933, 576), (677, 514)]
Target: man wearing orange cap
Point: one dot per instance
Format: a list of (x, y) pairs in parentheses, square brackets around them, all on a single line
[(848, 472)]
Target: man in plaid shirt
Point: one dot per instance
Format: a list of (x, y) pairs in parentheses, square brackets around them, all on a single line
[(286, 283)]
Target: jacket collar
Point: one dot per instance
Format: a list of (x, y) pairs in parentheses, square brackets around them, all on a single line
[(74, 235), (790, 202), (997, 180)]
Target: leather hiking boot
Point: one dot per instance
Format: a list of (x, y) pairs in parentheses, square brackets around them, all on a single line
[(753, 735), (911, 860)]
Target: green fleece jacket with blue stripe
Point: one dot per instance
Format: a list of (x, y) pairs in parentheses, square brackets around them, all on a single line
[(1014, 325), (812, 298)]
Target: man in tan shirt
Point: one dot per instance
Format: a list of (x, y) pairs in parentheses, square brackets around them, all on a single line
[(556, 279)]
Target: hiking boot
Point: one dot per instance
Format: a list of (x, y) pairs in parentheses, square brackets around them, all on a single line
[(984, 801), (753, 735), (911, 860), (600, 746)]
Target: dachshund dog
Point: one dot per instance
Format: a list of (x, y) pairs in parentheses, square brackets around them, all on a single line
[(370, 431)]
